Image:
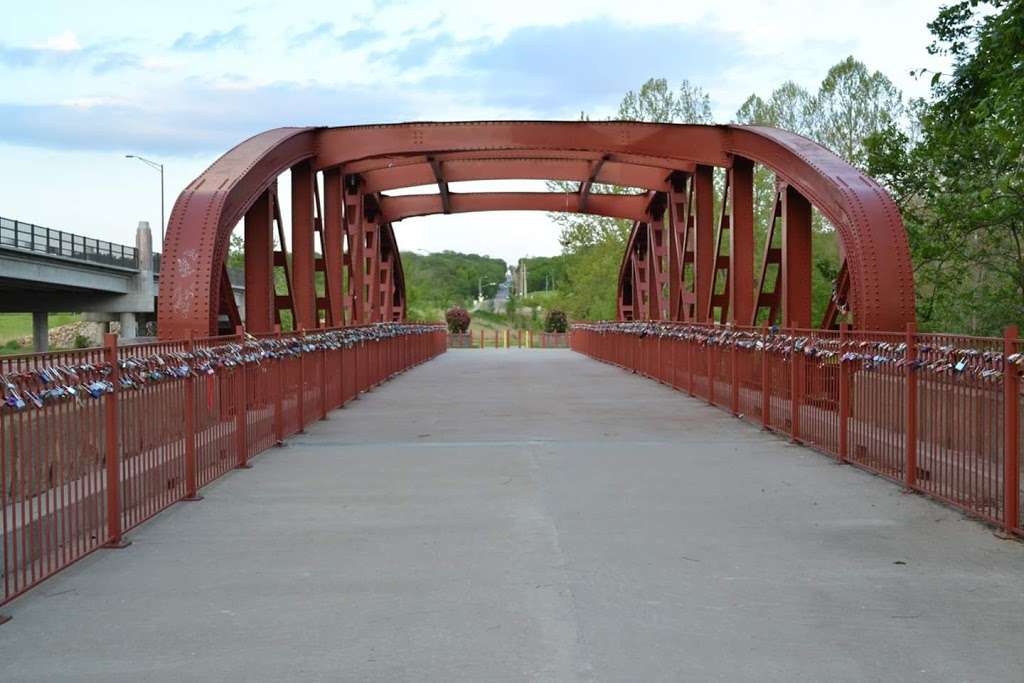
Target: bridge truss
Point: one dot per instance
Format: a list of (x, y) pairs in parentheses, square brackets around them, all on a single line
[(339, 264)]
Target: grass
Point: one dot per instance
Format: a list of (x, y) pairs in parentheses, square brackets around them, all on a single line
[(15, 325)]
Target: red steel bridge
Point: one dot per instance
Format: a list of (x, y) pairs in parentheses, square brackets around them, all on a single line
[(684, 262), (95, 442)]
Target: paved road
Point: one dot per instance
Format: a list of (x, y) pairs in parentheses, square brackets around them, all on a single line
[(534, 515)]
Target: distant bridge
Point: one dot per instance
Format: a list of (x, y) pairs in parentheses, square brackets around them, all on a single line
[(43, 270)]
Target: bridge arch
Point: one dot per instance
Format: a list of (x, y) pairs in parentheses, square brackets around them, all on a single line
[(675, 267)]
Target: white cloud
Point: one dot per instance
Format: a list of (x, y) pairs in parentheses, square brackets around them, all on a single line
[(65, 42)]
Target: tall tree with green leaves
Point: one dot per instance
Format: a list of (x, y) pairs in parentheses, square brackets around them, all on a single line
[(852, 104), (959, 176)]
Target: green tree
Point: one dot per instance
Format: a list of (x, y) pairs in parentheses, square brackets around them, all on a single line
[(852, 104), (958, 174), (447, 278)]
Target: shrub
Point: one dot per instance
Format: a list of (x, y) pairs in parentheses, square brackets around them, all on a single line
[(556, 321), (457, 319), (12, 345), (82, 342)]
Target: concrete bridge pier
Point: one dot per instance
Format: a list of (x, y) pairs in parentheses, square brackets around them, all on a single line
[(40, 331), (143, 290)]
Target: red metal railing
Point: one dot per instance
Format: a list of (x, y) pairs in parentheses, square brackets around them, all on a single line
[(94, 442), (940, 414)]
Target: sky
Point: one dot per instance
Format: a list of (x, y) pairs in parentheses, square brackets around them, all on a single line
[(84, 83)]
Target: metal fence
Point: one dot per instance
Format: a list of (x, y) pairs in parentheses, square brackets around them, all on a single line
[(940, 414), (508, 339), (95, 441), (39, 240)]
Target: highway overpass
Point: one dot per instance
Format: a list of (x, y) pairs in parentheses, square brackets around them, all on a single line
[(43, 270)]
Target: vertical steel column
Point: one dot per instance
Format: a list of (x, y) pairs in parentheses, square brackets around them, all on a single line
[(113, 441), (1011, 433), (259, 265), (676, 237), (796, 260), (355, 208), (741, 241), (333, 246), (795, 393), (303, 257), (704, 243), (369, 236), (910, 403)]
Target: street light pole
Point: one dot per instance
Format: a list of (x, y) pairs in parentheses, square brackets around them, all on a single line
[(158, 167)]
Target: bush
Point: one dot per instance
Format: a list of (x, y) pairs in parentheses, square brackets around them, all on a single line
[(12, 345), (82, 342), (457, 319), (556, 321)]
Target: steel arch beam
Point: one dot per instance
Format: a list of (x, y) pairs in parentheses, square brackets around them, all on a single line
[(388, 161), (878, 275), (461, 170), (633, 207), (205, 213)]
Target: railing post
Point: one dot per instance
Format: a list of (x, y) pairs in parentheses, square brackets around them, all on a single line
[(279, 395), (910, 403), (659, 369), (323, 383), (191, 470), (242, 409), (795, 358), (844, 396), (301, 394), (1011, 433), (710, 365), (689, 367), (734, 374), (113, 460), (766, 387)]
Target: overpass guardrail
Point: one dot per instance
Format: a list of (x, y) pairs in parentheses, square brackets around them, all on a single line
[(36, 239), (938, 413), (93, 442)]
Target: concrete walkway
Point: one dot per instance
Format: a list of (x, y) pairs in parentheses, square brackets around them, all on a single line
[(535, 515)]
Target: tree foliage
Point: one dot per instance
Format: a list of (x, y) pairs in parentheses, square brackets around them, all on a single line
[(544, 272), (556, 321), (958, 172), (449, 278)]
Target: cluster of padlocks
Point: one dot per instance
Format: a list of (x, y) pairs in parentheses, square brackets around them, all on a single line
[(39, 386), (867, 354)]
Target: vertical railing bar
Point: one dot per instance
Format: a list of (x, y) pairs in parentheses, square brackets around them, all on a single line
[(1011, 432), (113, 460)]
